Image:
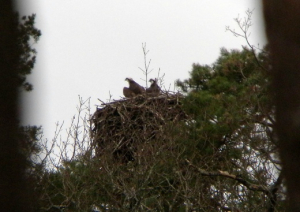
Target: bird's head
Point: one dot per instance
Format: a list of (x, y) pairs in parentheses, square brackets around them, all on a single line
[(152, 80), (128, 79)]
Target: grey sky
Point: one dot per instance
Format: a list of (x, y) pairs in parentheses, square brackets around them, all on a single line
[(88, 48)]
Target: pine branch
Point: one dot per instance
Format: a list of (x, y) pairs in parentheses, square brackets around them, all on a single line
[(250, 186)]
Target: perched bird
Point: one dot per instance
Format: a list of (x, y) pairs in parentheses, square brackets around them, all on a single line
[(128, 93), (154, 89), (134, 88)]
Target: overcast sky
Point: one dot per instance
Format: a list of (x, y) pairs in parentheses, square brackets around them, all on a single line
[(89, 47)]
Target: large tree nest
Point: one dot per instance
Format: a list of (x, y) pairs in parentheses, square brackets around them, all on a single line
[(119, 125)]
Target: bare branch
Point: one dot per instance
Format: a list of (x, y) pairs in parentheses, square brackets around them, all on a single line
[(244, 26)]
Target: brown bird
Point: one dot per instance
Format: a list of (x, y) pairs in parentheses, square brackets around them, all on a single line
[(134, 88), (154, 89), (128, 93)]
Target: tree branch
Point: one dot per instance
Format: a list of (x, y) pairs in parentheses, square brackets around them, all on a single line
[(250, 186)]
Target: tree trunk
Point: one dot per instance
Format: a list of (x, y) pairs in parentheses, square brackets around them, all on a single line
[(282, 18), (13, 192)]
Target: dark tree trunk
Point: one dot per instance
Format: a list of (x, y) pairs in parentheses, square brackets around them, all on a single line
[(13, 192), (282, 18)]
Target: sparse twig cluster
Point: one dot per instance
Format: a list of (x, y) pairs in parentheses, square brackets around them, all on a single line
[(244, 26), (146, 70)]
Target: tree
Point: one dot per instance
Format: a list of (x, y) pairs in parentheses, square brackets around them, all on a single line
[(234, 118), (222, 157), (236, 96)]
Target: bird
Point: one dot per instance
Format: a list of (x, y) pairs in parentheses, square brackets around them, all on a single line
[(154, 89), (128, 93), (133, 90)]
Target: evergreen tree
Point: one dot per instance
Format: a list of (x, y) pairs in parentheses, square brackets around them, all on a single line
[(234, 128), (223, 158)]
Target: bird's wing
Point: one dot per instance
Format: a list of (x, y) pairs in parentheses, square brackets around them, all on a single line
[(136, 88), (128, 92)]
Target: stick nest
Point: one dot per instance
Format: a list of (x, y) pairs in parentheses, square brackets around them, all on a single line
[(119, 125)]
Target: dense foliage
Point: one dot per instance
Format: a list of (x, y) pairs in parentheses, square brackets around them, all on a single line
[(234, 120)]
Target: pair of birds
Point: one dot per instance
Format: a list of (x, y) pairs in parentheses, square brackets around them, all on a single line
[(135, 89)]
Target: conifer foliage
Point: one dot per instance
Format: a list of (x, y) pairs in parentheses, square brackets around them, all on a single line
[(28, 35), (233, 112)]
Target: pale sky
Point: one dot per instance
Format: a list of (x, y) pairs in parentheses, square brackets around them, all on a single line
[(89, 47)]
